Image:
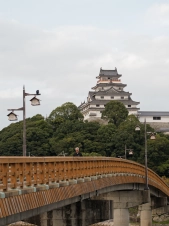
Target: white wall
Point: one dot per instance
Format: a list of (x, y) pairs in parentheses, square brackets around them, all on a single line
[(150, 119), (109, 98)]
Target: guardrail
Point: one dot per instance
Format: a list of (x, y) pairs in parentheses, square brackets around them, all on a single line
[(20, 172)]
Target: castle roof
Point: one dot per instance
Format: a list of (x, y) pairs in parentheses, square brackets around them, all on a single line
[(153, 113), (103, 102), (109, 84), (112, 92), (103, 108), (108, 73)]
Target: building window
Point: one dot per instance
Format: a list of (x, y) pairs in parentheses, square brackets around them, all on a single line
[(129, 106), (119, 88), (112, 97), (156, 118), (122, 97), (97, 105), (102, 97)]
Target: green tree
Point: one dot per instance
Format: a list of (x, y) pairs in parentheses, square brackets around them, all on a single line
[(67, 111), (115, 112), (106, 137), (37, 135)]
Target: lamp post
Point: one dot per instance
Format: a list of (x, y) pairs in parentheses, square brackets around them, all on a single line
[(13, 117), (125, 152), (130, 151), (152, 137)]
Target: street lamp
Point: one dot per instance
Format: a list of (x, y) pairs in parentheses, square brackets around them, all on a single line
[(13, 117), (125, 153), (152, 137), (130, 152)]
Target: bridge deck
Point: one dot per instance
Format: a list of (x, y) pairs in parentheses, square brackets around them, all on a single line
[(30, 183)]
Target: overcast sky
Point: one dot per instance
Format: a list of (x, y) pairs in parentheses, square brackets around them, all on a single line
[(58, 47)]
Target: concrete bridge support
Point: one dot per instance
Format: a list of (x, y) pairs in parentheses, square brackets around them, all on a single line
[(122, 201), (57, 217), (145, 214), (121, 217), (43, 219), (82, 213)]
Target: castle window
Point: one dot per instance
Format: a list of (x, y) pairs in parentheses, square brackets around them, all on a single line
[(156, 118), (102, 97), (129, 106), (97, 105), (112, 97), (122, 97)]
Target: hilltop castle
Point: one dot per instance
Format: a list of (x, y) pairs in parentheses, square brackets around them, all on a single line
[(108, 87)]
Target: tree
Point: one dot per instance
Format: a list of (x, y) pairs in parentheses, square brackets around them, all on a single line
[(115, 112), (37, 135), (67, 111), (106, 137)]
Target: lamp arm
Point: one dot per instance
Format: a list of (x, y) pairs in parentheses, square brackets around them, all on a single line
[(30, 94), (18, 109)]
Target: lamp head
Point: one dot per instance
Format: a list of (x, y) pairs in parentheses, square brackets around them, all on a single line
[(152, 137), (137, 128)]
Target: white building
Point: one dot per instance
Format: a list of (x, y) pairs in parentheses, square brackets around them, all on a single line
[(159, 120), (108, 87)]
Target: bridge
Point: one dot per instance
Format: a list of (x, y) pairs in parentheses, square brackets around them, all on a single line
[(35, 186)]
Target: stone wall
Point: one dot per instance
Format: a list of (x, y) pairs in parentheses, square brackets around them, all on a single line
[(159, 125)]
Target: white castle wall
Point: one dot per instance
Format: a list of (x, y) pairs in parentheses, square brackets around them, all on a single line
[(164, 119)]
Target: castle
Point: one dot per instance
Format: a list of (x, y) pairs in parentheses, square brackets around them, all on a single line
[(109, 87)]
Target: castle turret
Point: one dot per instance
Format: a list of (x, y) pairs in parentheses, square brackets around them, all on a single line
[(108, 87)]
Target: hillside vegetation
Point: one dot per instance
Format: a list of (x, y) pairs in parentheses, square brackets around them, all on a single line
[(65, 129)]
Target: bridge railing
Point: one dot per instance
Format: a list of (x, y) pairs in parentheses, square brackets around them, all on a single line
[(20, 172)]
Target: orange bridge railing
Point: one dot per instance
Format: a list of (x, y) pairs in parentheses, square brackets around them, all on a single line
[(18, 172)]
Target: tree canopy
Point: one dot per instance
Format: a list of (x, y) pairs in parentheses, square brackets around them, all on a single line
[(65, 129), (115, 112)]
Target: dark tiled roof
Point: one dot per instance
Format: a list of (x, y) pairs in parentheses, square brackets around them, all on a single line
[(112, 92), (109, 73), (102, 102), (110, 76), (101, 109), (153, 113), (109, 84)]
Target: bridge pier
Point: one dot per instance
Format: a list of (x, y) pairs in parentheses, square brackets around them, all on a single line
[(145, 214), (121, 217), (43, 219), (57, 217), (82, 213), (122, 201)]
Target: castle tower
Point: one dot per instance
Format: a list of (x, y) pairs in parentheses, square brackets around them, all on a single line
[(108, 87)]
